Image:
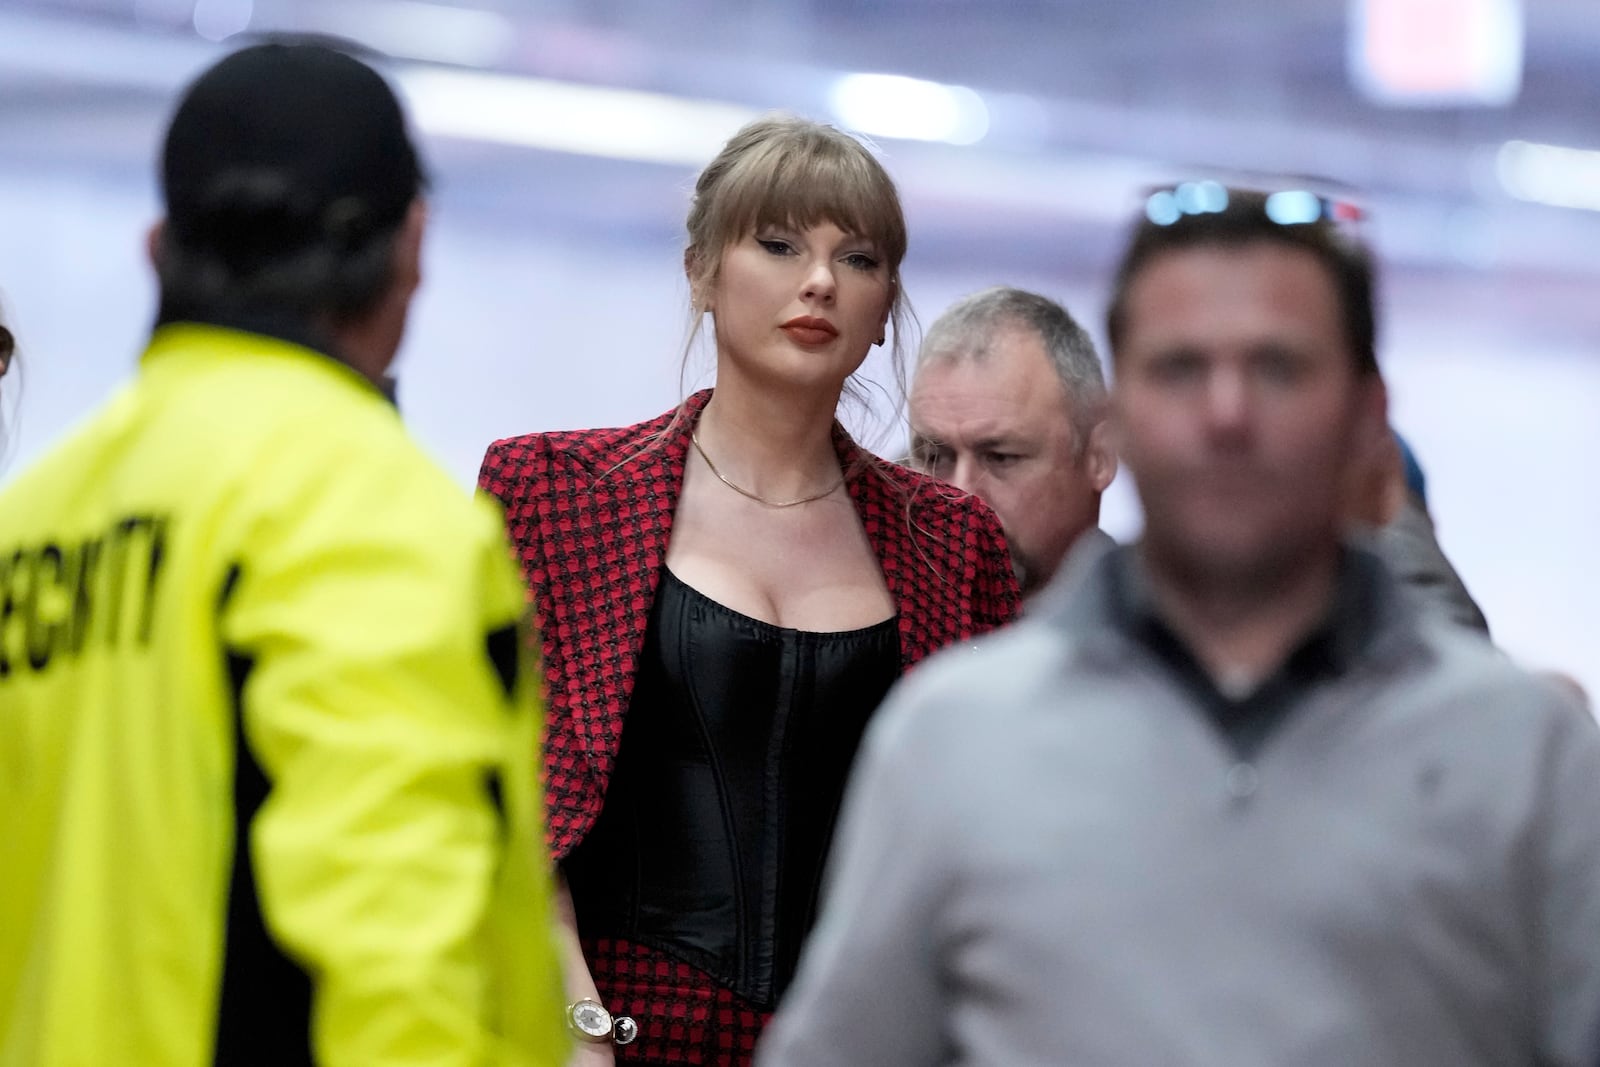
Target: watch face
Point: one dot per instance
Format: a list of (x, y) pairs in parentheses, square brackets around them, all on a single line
[(591, 1019)]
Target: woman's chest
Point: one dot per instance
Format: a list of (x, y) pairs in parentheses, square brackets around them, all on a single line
[(814, 570)]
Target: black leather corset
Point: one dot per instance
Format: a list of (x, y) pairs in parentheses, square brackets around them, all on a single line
[(721, 806)]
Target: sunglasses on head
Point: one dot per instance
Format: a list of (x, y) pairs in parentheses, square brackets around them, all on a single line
[(1288, 207)]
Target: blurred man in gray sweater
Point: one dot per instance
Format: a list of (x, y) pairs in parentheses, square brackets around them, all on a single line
[(1232, 801)]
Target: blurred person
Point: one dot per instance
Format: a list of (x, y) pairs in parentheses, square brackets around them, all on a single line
[(8, 350), (1389, 501), (724, 594), (1235, 801), (1008, 403), (8, 358), (266, 782), (1570, 687)]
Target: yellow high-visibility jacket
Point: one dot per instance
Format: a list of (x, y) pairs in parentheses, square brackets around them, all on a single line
[(268, 738)]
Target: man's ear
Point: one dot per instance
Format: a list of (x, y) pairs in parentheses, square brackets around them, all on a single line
[(152, 242), (1372, 413), (1379, 398), (1372, 469), (1100, 456), (408, 246), (1373, 472)]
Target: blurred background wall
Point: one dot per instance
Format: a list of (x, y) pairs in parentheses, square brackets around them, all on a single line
[(564, 135)]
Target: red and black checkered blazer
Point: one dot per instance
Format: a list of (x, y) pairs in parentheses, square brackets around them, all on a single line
[(589, 513)]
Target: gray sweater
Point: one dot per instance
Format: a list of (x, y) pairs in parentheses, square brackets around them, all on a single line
[(1050, 856)]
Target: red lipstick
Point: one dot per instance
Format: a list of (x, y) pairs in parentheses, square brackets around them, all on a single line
[(809, 331)]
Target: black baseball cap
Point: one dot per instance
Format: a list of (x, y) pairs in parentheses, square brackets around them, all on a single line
[(286, 143)]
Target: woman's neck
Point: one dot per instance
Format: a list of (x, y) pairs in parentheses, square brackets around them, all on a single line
[(778, 446)]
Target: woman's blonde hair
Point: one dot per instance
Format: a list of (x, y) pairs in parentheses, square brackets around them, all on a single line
[(782, 170)]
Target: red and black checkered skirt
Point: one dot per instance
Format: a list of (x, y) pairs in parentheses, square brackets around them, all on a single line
[(684, 1016)]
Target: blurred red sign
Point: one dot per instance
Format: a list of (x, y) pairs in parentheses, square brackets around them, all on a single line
[(1436, 52)]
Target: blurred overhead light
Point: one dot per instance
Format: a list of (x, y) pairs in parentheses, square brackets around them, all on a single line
[(217, 20), (1035, 187), (166, 13), (567, 117), (1436, 52), (887, 105), (97, 54), (416, 30), (1550, 174)]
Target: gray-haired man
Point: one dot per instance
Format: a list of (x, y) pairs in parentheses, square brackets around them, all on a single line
[(1009, 405)]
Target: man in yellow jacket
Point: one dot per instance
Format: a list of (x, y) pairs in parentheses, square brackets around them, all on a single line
[(267, 742)]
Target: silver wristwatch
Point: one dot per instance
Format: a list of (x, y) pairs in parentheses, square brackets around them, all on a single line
[(589, 1020)]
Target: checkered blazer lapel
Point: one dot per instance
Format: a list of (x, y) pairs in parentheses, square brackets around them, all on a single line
[(885, 503), (944, 566)]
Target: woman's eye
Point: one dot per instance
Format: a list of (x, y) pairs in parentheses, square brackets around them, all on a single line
[(773, 245), (861, 261)]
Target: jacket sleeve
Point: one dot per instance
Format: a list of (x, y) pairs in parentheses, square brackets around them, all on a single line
[(1410, 546), (387, 731), (518, 474), (1568, 907)]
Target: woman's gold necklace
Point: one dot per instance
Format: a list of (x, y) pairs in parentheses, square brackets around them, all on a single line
[(742, 491)]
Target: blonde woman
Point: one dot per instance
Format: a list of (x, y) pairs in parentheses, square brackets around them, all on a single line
[(724, 594)]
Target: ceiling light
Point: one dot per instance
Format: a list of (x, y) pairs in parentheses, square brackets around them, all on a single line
[(416, 30), (567, 117), (888, 105), (1550, 174)]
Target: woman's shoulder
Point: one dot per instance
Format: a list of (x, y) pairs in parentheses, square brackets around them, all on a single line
[(925, 498), (948, 543), (596, 447)]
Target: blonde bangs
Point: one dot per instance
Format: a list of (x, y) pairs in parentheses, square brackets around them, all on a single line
[(797, 174)]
